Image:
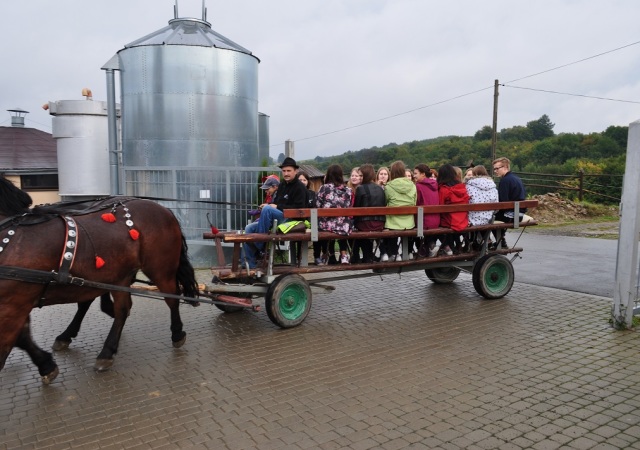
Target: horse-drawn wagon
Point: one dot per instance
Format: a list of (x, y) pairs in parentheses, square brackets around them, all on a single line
[(75, 252), (288, 288)]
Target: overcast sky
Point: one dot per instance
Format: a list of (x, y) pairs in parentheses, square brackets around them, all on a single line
[(327, 65)]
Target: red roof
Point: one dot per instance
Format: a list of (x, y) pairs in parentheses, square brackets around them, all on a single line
[(27, 148)]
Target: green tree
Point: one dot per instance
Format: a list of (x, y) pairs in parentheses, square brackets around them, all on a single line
[(483, 134), (618, 134), (541, 128), (517, 133)]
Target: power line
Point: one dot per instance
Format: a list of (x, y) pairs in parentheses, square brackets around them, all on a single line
[(575, 62), (41, 124), (475, 92), (573, 95), (390, 117)]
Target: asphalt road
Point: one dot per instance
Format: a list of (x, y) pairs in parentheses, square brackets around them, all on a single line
[(576, 264)]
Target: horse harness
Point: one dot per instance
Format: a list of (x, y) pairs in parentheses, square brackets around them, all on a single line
[(43, 214), (64, 267), (63, 275)]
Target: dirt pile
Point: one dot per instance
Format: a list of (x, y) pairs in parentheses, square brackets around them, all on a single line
[(563, 217), (553, 209)]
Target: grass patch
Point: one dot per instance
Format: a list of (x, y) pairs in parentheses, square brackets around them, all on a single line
[(601, 212)]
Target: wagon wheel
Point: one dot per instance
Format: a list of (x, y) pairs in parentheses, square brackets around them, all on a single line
[(288, 300), (493, 276), (443, 275)]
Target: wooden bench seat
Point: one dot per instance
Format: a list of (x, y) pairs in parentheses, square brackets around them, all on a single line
[(231, 237)]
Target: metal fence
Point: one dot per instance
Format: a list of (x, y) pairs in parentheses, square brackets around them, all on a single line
[(597, 188), (197, 196)]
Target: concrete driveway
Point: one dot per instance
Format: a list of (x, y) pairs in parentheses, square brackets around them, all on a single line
[(571, 263)]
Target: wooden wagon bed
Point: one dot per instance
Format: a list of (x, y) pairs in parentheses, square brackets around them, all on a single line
[(288, 293)]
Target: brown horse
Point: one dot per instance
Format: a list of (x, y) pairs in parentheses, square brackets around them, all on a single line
[(106, 241)]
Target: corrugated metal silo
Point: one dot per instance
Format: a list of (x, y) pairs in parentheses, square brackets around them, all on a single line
[(263, 138), (189, 101), (189, 97)]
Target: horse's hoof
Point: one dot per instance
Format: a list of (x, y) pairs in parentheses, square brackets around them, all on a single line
[(103, 365), (180, 343), (59, 345), (47, 379)]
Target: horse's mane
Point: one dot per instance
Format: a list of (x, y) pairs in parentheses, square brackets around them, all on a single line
[(12, 199)]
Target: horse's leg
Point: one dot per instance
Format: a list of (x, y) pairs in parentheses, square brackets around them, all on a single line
[(106, 305), (64, 339), (43, 360), (178, 336), (15, 330), (122, 306)]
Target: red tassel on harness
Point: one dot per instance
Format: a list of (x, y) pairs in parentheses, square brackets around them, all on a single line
[(214, 230), (108, 217), (134, 234), (99, 262)]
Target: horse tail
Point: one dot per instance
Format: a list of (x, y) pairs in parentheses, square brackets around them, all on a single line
[(186, 276)]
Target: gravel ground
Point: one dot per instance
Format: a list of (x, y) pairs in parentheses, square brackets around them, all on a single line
[(602, 230), (561, 217)]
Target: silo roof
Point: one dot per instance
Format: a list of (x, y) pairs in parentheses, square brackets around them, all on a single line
[(189, 31)]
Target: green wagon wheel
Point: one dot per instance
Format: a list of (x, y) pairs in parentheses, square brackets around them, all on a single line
[(493, 276), (443, 275), (288, 300)]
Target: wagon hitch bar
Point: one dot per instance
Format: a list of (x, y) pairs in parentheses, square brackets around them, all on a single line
[(51, 278)]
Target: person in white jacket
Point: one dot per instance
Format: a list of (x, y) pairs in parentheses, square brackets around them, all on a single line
[(481, 189)]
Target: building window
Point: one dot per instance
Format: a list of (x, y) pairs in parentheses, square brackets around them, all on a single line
[(47, 182)]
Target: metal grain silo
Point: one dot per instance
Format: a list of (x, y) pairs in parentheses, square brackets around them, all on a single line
[(263, 137), (189, 97), (189, 103)]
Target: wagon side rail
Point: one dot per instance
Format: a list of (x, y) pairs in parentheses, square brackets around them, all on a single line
[(312, 214), (315, 235)]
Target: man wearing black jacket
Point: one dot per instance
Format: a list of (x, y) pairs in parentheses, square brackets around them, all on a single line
[(291, 194)]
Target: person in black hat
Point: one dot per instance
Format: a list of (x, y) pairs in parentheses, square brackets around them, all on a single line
[(291, 194)]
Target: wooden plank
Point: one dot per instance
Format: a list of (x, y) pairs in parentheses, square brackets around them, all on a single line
[(227, 274), (325, 235), (396, 210), (151, 287)]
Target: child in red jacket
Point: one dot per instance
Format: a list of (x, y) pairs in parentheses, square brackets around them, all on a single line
[(451, 191)]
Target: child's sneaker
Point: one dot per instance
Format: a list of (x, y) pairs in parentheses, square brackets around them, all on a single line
[(344, 259), (447, 251), (433, 251), (384, 257)]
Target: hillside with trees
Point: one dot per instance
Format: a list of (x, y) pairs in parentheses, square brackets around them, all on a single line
[(532, 148)]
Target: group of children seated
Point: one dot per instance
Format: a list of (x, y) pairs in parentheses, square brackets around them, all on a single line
[(396, 186), (403, 187)]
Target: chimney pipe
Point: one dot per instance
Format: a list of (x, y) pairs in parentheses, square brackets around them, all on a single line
[(17, 118)]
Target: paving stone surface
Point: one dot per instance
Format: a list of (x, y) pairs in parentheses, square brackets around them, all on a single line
[(386, 363)]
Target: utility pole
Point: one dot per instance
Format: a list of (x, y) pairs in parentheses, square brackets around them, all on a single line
[(494, 134)]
